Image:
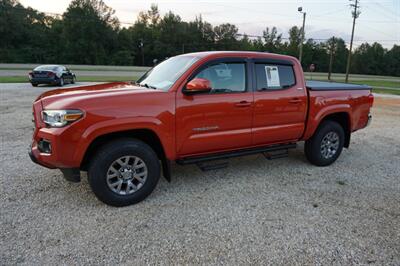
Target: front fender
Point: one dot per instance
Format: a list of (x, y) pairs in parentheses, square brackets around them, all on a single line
[(124, 124)]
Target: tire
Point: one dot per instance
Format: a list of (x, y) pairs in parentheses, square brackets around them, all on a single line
[(326, 144), (73, 80), (100, 173), (61, 82), (34, 84)]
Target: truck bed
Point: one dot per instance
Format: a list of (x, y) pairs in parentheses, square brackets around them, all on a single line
[(333, 86)]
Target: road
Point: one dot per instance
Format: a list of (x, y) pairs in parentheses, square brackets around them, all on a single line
[(27, 86), (280, 212), (78, 73)]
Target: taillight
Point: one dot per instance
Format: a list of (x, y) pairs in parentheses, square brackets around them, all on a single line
[(371, 99), (30, 74), (50, 74)]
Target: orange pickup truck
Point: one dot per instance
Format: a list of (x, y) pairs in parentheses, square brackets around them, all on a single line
[(192, 108)]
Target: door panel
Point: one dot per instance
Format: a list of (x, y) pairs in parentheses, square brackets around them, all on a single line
[(280, 108), (219, 120)]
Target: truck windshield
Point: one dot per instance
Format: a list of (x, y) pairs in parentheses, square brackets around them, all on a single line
[(164, 75)]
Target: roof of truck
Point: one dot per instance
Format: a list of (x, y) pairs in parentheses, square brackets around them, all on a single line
[(238, 53)]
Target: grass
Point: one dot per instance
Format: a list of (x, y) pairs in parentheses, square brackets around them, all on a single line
[(372, 83), (352, 76), (386, 91), (19, 79), (378, 83)]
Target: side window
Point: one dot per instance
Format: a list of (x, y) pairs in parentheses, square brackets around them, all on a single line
[(225, 77), (274, 77)]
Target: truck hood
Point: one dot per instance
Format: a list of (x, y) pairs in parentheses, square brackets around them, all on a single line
[(87, 90), (59, 98)]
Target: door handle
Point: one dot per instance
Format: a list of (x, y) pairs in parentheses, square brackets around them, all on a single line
[(243, 104), (295, 100)]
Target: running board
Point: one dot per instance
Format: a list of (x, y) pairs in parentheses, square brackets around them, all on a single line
[(225, 155), (276, 154), (212, 166)]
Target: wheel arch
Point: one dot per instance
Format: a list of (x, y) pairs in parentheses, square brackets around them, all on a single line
[(343, 119), (148, 136)]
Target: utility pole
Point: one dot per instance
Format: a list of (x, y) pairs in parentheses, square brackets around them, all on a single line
[(300, 9), (332, 52), (356, 14)]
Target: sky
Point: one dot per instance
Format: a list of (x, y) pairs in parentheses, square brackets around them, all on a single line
[(379, 20)]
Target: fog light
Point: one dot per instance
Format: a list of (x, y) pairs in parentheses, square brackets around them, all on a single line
[(44, 146)]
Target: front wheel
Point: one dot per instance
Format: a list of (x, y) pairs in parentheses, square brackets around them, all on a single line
[(326, 145), (61, 82), (124, 172)]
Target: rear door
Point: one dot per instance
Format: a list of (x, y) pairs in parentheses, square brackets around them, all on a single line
[(220, 120), (280, 102)]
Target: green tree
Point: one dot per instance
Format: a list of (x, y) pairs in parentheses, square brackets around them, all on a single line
[(392, 61), (22, 32), (369, 59), (292, 48), (272, 39), (226, 36), (89, 32)]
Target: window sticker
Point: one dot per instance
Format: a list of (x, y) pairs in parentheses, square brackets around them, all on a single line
[(272, 74)]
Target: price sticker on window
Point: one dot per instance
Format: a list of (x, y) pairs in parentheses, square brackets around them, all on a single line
[(272, 74)]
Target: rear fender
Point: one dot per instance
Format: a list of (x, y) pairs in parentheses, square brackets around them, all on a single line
[(314, 120)]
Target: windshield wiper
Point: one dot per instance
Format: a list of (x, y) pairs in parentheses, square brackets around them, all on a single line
[(146, 86)]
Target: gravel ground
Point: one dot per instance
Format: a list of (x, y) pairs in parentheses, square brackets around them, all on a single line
[(255, 211)]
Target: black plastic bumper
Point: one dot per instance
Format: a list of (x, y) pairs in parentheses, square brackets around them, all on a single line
[(33, 158), (72, 174)]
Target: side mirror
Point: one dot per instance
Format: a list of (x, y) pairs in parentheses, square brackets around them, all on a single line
[(197, 85)]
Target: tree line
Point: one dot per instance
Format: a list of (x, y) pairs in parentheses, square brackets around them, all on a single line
[(88, 32)]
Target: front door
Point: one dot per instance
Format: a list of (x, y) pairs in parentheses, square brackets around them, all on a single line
[(219, 120)]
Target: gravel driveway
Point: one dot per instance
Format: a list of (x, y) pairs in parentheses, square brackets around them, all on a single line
[(255, 211)]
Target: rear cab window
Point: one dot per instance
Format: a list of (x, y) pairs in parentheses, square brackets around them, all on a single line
[(274, 76)]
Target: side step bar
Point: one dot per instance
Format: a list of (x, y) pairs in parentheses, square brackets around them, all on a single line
[(225, 155)]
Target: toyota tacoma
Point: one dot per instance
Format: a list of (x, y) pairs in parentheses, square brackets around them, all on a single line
[(192, 108)]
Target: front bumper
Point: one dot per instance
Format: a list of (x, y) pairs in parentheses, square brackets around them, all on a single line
[(70, 174)]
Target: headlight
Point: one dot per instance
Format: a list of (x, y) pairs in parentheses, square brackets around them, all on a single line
[(60, 118)]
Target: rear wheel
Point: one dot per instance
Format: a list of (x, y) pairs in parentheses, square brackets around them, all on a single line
[(326, 145), (124, 172), (34, 84)]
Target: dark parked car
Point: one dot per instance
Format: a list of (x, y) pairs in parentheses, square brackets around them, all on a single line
[(51, 74)]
